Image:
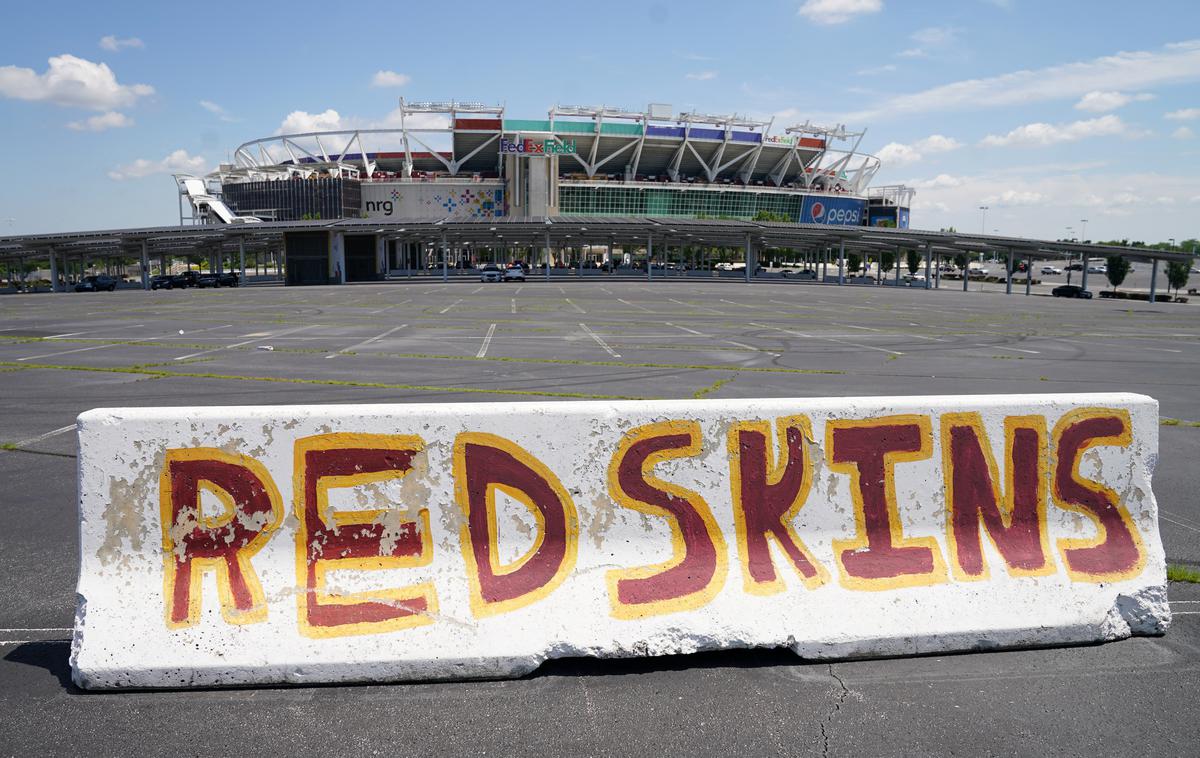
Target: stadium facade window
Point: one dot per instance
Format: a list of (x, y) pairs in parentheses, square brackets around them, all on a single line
[(679, 203)]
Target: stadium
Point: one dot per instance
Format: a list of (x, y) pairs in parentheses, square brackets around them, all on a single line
[(471, 162)]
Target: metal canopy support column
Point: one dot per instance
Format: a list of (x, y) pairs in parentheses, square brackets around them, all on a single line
[(1085, 271), (1009, 277), (649, 257), (445, 265), (842, 262), (547, 255), (749, 257), (1153, 279), (145, 266), (928, 262), (54, 271), (967, 275), (1028, 275), (242, 260), (897, 267)]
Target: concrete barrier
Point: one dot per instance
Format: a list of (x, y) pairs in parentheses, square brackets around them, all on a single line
[(225, 546)]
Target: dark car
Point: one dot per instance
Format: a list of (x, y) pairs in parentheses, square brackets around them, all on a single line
[(227, 279), (96, 283), (161, 282), (1071, 290), (185, 280)]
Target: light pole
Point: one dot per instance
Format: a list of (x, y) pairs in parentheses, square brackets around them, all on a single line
[(1070, 238)]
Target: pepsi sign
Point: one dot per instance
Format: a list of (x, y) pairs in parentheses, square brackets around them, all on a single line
[(836, 211)]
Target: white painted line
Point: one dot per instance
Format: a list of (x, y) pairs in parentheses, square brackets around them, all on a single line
[(1014, 349), (514, 305), (451, 305), (352, 348), (45, 436), (66, 352), (748, 347), (1164, 350), (1185, 613), (1173, 602), (600, 341), (397, 305), (520, 288), (63, 640), (486, 341), (634, 305), (684, 328), (200, 331), (40, 629), (606, 289), (476, 289), (254, 336), (741, 305), (829, 339), (852, 326), (11, 329), (435, 289), (693, 305), (92, 331), (560, 289), (573, 305), (1178, 523)]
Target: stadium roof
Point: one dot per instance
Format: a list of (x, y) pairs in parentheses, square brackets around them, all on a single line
[(560, 231)]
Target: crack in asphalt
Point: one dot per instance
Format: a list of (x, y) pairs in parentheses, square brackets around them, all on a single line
[(837, 706)]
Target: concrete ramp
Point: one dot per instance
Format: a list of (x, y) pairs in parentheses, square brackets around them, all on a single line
[(255, 545)]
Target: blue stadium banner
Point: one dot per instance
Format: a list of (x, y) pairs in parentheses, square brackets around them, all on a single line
[(838, 211)]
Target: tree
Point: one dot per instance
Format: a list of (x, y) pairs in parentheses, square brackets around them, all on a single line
[(1117, 267), (960, 260), (1177, 275), (770, 216), (853, 263), (912, 259), (887, 261)]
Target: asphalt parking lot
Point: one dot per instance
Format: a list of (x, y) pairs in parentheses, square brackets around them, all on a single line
[(549, 341)]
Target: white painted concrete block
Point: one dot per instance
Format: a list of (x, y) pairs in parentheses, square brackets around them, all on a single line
[(240, 545)]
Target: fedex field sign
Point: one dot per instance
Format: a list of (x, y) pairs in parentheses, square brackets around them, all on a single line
[(531, 148), (351, 543)]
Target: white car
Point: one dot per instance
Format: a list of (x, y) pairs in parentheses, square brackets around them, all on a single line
[(1097, 269), (489, 273), (514, 274), (1051, 270)]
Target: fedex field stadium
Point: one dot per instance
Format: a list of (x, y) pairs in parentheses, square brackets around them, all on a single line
[(470, 161)]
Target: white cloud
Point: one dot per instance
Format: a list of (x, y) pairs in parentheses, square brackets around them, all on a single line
[(898, 154), (71, 81), (829, 12), (109, 120), (913, 52), (1101, 101), (1123, 72), (1184, 114), (702, 76), (1041, 134), (216, 110), (887, 68), (1183, 133), (941, 181), (298, 122), (389, 79), (935, 35), (114, 44), (177, 162), (1011, 198)]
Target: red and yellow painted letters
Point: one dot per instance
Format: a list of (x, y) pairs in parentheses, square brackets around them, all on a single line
[(879, 556), (1015, 520), (768, 491), (483, 465), (1116, 552), (696, 570), (194, 543), (340, 540)]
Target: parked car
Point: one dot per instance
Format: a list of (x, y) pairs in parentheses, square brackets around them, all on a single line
[(489, 272), (1075, 267), (1052, 270), (789, 273), (161, 282), (1097, 269), (185, 280), (514, 274), (1071, 290), (96, 283), (226, 279)]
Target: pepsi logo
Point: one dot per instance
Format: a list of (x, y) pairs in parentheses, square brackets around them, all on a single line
[(818, 210)]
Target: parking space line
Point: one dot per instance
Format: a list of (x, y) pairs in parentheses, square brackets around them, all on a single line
[(693, 305), (1163, 350), (520, 288), (573, 305), (686, 329), (829, 339), (92, 331), (487, 340), (600, 341), (377, 337), (867, 328), (742, 305), (253, 337), (45, 436), (514, 305), (634, 305), (476, 289), (68, 352), (1013, 349), (1178, 523), (397, 305), (451, 305)]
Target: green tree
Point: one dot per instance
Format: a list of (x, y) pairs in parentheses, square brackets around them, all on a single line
[(1116, 269), (770, 216), (887, 261), (960, 260), (853, 263), (1177, 275), (912, 259)]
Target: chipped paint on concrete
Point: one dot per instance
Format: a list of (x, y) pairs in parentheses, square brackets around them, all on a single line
[(122, 638)]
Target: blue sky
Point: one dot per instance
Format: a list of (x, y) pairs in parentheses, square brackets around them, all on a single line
[(1046, 112)]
